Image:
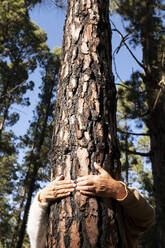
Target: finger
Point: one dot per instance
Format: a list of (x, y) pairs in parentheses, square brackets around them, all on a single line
[(54, 187), (67, 186), (52, 197), (84, 183), (64, 192), (86, 188), (79, 179), (63, 186), (100, 169), (55, 194), (87, 193), (60, 188), (63, 195), (63, 182)]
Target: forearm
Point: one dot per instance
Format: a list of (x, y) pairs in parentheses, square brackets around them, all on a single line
[(138, 209), (37, 223)]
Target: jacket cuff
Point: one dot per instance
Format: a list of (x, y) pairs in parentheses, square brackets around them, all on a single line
[(131, 198), (126, 190)]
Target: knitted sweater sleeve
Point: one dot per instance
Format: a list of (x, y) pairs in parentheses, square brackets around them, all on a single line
[(37, 223)]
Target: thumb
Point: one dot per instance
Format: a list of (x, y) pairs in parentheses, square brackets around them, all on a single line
[(99, 169)]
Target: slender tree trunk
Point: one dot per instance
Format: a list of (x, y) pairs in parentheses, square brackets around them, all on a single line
[(156, 124), (36, 163), (5, 103), (18, 221), (27, 206), (155, 119), (126, 153), (3, 118), (85, 127)]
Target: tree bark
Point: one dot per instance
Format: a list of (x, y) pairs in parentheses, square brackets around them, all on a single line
[(85, 127), (157, 128)]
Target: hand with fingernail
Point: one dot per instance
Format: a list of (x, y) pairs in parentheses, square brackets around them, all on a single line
[(58, 188), (102, 185)]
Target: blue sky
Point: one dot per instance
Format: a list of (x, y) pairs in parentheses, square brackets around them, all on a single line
[(51, 20)]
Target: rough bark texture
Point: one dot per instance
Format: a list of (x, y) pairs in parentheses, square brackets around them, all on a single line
[(157, 129), (156, 124), (85, 127)]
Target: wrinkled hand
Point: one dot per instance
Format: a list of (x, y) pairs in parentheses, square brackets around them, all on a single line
[(56, 189), (102, 185)]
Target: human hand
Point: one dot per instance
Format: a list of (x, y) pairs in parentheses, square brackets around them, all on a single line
[(102, 185), (56, 189)]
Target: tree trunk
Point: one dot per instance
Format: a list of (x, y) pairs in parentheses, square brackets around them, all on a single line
[(157, 130), (156, 123), (3, 118), (155, 119), (35, 162), (85, 127)]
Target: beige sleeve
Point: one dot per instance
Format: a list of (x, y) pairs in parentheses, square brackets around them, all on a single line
[(139, 215)]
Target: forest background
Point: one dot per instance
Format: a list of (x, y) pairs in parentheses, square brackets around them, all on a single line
[(30, 41)]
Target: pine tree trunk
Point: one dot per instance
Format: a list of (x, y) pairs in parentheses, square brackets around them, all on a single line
[(85, 127), (155, 118), (3, 118), (157, 129), (156, 123)]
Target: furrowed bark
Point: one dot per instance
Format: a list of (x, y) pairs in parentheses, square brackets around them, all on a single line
[(85, 127)]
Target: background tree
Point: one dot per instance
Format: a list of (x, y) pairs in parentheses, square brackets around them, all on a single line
[(22, 44), (135, 146), (145, 27), (38, 140)]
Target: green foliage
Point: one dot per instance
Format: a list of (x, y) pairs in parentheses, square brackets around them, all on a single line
[(32, 3), (141, 15), (8, 165), (133, 97), (37, 141), (22, 48), (145, 27), (36, 146), (143, 22), (22, 43)]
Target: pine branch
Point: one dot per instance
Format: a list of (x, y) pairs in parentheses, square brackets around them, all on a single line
[(123, 41), (143, 154), (8, 94), (130, 133), (125, 86), (115, 67)]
